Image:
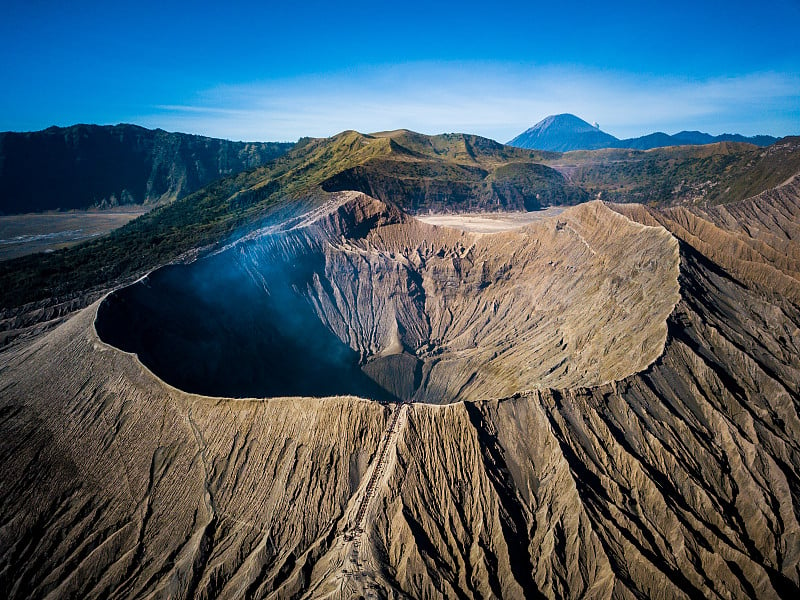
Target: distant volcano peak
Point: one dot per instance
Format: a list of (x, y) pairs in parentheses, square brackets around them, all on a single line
[(564, 121), (564, 132)]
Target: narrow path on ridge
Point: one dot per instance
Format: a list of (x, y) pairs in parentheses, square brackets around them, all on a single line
[(358, 573)]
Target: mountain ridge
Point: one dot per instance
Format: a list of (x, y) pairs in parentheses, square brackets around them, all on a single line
[(566, 132), (101, 166)]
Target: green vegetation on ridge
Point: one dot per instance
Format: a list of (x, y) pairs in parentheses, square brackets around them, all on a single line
[(710, 174)]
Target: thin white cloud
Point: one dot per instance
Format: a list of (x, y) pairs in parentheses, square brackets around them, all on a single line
[(495, 100), (203, 110)]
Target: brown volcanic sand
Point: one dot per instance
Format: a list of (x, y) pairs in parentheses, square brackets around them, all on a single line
[(677, 479), (489, 222)]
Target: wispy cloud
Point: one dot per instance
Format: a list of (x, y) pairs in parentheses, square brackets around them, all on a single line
[(492, 99)]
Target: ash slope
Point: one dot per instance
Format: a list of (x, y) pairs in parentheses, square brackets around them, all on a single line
[(681, 480)]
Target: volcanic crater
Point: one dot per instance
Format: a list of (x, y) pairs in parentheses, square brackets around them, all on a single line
[(359, 298)]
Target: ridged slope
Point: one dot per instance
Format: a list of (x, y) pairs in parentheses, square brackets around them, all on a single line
[(681, 480)]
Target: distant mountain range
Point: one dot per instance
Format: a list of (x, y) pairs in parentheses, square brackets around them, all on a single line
[(98, 166), (562, 133), (101, 166)]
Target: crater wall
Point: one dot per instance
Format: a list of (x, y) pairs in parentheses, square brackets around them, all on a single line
[(362, 299)]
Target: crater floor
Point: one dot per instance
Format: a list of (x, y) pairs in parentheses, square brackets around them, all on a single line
[(364, 300)]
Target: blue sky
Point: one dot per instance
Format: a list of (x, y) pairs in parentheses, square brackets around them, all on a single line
[(280, 71)]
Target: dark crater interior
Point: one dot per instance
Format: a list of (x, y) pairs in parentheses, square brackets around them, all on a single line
[(214, 328)]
